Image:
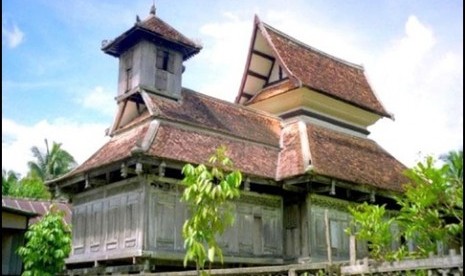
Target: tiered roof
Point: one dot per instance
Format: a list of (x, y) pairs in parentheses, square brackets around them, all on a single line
[(260, 144)]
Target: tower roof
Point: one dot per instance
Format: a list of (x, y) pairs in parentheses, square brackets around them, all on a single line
[(156, 30)]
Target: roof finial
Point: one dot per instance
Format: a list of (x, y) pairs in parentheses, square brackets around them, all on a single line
[(153, 9)]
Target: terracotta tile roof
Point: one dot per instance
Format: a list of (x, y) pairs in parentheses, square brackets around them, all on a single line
[(152, 28), (190, 129), (156, 25), (175, 142), (354, 159), (39, 207), (324, 73), (221, 116), (250, 132), (118, 148)]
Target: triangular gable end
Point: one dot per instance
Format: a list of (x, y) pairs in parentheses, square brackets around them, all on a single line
[(289, 79), (131, 106), (264, 68)]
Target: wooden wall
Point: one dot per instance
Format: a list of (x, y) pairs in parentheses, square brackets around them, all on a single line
[(132, 218)]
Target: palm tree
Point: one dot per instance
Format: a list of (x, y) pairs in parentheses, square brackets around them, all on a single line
[(454, 160), (9, 179), (52, 163)]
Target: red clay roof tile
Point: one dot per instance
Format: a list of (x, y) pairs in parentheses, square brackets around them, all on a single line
[(354, 159), (177, 143), (118, 148), (324, 73), (217, 115)]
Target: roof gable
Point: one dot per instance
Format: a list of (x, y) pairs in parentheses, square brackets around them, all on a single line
[(303, 66)]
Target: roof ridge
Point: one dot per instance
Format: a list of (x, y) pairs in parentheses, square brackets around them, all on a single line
[(311, 48), (253, 110)]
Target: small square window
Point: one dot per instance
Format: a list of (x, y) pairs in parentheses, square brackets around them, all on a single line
[(163, 59)]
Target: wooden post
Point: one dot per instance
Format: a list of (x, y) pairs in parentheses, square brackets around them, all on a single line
[(304, 252), (328, 238), (352, 248)]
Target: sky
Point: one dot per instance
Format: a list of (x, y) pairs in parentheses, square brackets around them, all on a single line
[(58, 85)]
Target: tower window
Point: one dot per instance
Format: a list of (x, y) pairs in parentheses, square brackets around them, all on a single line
[(128, 79), (163, 60), (127, 61)]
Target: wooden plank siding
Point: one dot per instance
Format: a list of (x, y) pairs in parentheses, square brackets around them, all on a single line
[(140, 218)]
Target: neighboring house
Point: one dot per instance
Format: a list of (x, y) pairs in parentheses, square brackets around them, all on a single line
[(17, 215), (297, 131)]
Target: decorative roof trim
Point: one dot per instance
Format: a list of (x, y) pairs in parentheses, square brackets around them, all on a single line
[(247, 64), (148, 139)]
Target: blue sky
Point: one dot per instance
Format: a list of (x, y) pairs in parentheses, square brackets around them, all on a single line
[(58, 84)]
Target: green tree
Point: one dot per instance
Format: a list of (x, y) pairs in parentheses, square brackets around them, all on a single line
[(208, 192), (9, 179), (30, 187), (431, 210), (52, 163), (370, 223), (432, 205), (48, 244)]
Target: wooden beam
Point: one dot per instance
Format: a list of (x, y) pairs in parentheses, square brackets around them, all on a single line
[(263, 55), (257, 75), (293, 188), (246, 95), (320, 190)]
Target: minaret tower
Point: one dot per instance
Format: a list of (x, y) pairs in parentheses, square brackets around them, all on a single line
[(151, 56)]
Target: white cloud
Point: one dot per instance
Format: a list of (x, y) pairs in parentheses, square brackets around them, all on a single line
[(224, 55), (12, 36), (423, 87), (81, 140), (100, 100)]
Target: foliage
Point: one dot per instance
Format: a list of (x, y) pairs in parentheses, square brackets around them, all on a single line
[(9, 179), (48, 243), (432, 206), (30, 187), (431, 211), (52, 163), (370, 224), (207, 194)]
